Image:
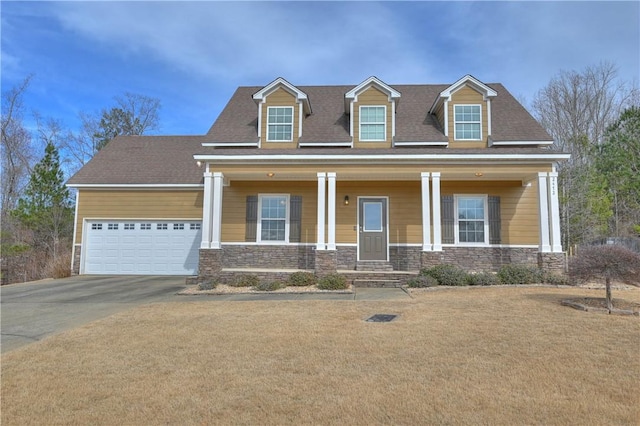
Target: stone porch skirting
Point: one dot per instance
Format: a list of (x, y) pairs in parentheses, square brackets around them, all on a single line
[(410, 259)]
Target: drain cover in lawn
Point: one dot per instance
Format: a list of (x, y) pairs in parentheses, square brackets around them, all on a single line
[(381, 318)]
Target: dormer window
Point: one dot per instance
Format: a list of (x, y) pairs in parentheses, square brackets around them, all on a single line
[(279, 124), (373, 123), (467, 122)]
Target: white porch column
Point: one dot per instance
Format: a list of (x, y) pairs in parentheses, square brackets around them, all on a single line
[(206, 211), (437, 226), (544, 212), (554, 212), (331, 210), (321, 207), (216, 222), (426, 213)]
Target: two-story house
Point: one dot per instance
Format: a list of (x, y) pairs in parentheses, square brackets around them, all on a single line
[(364, 180)]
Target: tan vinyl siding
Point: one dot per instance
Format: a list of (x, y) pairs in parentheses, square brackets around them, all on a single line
[(467, 96), (148, 204), (234, 201), (371, 97), (518, 207), (280, 97)]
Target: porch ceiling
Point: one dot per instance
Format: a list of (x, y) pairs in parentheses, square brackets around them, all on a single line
[(472, 174)]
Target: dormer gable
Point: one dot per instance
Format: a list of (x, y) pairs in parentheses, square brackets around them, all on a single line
[(463, 110), (371, 108), (352, 95), (280, 82), (282, 108), (466, 81)]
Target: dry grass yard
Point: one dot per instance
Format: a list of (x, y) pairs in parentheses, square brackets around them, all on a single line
[(499, 356)]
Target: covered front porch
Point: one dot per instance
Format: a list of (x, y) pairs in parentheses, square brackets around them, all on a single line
[(377, 221)]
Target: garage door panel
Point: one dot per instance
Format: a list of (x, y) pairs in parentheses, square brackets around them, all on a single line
[(142, 247)]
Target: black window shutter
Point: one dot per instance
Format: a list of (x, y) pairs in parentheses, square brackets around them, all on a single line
[(448, 219), (252, 218), (295, 218), (494, 220)]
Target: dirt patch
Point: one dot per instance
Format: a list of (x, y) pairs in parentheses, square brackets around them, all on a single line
[(227, 289)]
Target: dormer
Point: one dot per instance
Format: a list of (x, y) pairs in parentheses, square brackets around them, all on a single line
[(464, 112), (281, 111), (371, 107)]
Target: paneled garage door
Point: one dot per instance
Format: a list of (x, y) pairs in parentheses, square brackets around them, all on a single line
[(142, 247)]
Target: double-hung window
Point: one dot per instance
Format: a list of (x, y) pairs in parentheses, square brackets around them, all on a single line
[(472, 225), (373, 125), (273, 218), (468, 123), (279, 124)]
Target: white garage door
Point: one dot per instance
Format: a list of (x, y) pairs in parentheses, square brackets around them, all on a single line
[(142, 247)]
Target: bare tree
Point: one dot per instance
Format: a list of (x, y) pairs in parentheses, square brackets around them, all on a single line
[(16, 147), (608, 262), (133, 114), (576, 108)]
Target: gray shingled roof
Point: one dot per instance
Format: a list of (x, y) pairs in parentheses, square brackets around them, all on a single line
[(144, 160), (329, 122)]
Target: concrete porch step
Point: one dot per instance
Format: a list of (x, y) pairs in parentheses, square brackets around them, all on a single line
[(374, 266)]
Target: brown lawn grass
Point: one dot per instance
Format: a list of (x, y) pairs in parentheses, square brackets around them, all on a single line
[(498, 356)]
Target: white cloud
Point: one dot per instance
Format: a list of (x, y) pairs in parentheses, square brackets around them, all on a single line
[(310, 43)]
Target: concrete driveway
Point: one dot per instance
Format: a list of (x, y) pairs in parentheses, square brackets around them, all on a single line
[(32, 311)]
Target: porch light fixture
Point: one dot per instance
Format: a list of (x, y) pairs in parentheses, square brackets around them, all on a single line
[(346, 200), (271, 174), (479, 174), (199, 163)]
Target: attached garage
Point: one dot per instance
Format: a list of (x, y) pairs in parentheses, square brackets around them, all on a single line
[(139, 247)]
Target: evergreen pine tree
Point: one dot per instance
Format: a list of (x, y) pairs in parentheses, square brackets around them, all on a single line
[(45, 208)]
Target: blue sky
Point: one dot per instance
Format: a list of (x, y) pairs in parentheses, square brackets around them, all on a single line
[(193, 55)]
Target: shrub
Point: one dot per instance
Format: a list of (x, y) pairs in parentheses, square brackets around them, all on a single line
[(270, 286), (556, 279), (333, 282), (447, 274), (519, 274), (302, 279), (482, 278), (422, 281), (245, 281), (207, 285)]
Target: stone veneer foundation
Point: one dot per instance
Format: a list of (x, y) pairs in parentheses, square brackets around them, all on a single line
[(278, 258)]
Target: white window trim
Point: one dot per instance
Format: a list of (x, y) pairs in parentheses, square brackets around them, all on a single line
[(286, 223), (279, 124), (456, 227), (384, 123), (455, 130)]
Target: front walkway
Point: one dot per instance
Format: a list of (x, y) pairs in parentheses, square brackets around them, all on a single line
[(359, 294)]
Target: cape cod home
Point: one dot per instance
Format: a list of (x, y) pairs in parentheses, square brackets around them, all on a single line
[(373, 180)]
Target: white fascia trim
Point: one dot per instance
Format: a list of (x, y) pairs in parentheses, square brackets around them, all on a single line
[(381, 158), (230, 144), (75, 230), (476, 84), (425, 143), (512, 143), (281, 82), (136, 186), (373, 80), (321, 144)]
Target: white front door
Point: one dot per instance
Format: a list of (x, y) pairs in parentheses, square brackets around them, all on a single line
[(141, 247)]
